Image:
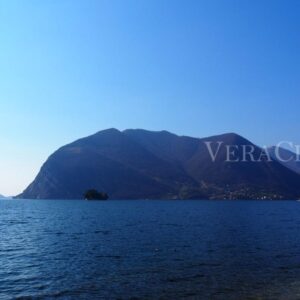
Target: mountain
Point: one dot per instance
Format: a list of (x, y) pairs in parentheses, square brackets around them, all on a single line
[(286, 157), (141, 164)]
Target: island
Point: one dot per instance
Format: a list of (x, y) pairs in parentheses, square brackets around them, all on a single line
[(93, 194), (142, 164)]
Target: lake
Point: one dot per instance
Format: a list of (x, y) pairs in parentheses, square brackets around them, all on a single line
[(71, 249)]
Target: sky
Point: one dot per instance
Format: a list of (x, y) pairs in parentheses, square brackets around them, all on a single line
[(69, 68)]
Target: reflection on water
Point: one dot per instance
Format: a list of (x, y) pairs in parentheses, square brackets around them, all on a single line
[(150, 249)]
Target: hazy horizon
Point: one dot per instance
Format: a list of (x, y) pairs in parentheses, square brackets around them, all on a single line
[(72, 68)]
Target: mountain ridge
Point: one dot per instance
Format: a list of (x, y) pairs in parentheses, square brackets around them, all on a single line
[(290, 158), (139, 164)]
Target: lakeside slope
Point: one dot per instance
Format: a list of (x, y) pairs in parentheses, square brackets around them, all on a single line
[(141, 164)]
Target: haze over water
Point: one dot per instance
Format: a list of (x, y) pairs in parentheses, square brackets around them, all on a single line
[(149, 249)]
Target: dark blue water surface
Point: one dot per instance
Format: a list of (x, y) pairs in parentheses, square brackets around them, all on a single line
[(149, 249)]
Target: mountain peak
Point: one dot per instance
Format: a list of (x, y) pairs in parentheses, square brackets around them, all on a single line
[(109, 131), (230, 138), (136, 163), (144, 131)]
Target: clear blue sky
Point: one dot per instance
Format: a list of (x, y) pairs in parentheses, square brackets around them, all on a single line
[(70, 68)]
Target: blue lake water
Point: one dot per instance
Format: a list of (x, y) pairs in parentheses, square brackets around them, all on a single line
[(149, 249)]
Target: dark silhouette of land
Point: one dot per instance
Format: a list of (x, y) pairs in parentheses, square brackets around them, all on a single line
[(139, 164), (95, 195)]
